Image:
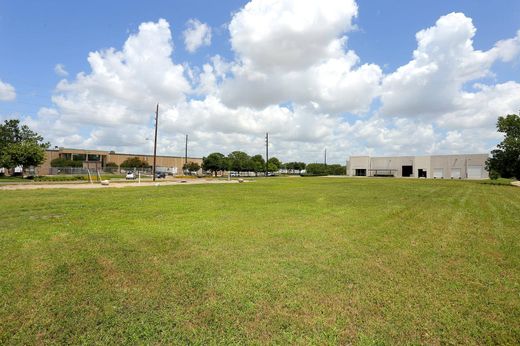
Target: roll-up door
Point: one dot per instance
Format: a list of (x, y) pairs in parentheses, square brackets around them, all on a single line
[(438, 173), (474, 172), (455, 173)]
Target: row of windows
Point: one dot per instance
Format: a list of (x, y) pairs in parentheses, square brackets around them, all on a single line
[(81, 157)]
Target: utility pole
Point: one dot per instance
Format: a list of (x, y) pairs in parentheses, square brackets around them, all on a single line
[(155, 141), (325, 156), (186, 151), (266, 153)]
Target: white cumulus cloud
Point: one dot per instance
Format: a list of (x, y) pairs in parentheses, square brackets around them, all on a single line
[(294, 76), (7, 91), (60, 70), (196, 35), (295, 51), (432, 83), (123, 85)]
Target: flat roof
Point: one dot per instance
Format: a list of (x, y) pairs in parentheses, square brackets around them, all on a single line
[(413, 156), (111, 152)]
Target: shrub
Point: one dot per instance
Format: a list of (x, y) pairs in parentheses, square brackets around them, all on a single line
[(494, 175)]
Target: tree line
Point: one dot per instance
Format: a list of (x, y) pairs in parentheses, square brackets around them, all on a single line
[(239, 161), (22, 147)]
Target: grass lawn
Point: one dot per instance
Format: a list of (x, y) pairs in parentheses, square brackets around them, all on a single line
[(283, 260)]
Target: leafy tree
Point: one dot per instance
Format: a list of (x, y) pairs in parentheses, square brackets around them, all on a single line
[(23, 154), (295, 166), (215, 162), (239, 161), (273, 164), (191, 167), (336, 169), (505, 160), (20, 146), (135, 162), (257, 164), (323, 169), (61, 162), (317, 169), (299, 166)]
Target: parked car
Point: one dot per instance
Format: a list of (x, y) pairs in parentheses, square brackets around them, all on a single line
[(131, 176), (160, 175)]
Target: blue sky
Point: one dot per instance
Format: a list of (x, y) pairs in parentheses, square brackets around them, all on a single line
[(35, 36)]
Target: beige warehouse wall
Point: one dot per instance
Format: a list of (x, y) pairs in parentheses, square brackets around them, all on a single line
[(424, 163), (358, 162), (394, 163), (448, 163)]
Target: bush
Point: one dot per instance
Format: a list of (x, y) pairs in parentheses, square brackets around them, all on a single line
[(493, 175)]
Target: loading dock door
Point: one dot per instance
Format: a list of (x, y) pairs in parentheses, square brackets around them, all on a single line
[(421, 173), (407, 171), (455, 173), (438, 173), (361, 172), (474, 172)]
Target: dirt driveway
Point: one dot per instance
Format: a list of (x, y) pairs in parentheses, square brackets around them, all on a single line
[(84, 185)]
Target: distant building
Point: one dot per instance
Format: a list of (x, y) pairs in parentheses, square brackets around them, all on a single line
[(97, 159), (470, 166)]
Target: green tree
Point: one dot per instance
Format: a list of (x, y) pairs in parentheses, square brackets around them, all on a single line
[(20, 146), (317, 169), (191, 167), (336, 169), (505, 160), (239, 161), (214, 162), (257, 164), (134, 162), (294, 166), (323, 169), (273, 164)]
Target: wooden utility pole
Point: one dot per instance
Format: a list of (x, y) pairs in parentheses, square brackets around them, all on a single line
[(155, 141), (266, 153), (325, 156), (186, 151)]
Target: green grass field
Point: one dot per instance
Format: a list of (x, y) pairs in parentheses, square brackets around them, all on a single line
[(284, 260)]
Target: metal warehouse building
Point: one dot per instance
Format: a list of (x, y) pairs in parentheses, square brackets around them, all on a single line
[(470, 166)]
